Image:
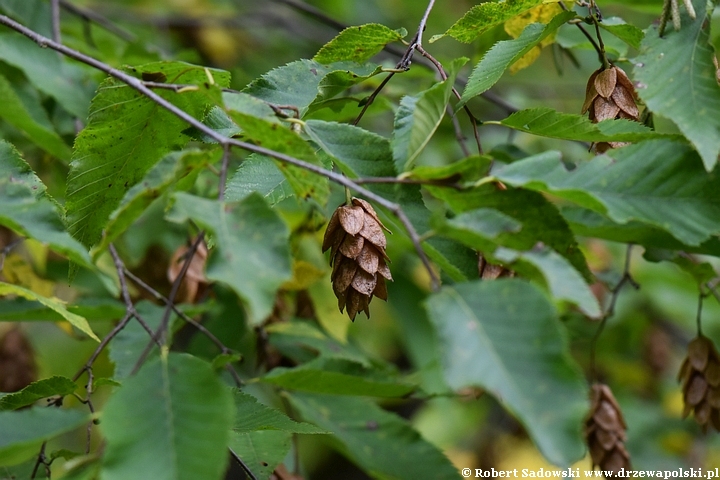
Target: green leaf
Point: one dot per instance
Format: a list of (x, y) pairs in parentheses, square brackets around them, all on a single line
[(478, 228), (381, 443), (626, 32), (177, 170), (129, 343), (417, 118), (51, 74), (252, 255), (44, 388), (483, 17), (339, 377), (564, 282), (28, 210), (261, 451), (547, 122), (540, 219), (504, 336), (126, 135), (34, 14), (357, 152), (469, 169), (24, 430), (303, 82), (258, 174), (39, 130), (170, 421), (21, 310), (658, 182), (252, 416), (53, 303), (302, 341), (281, 139), (358, 44), (503, 54), (675, 77)]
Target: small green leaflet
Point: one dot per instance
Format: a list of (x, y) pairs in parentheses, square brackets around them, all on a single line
[(485, 330), (44, 388), (675, 77), (483, 17), (626, 32), (503, 54), (358, 44), (55, 304)]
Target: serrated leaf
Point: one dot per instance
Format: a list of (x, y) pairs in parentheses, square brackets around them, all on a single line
[(252, 416), (21, 310), (504, 54), (358, 44), (563, 281), (28, 210), (281, 139), (44, 388), (486, 329), (53, 303), (626, 32), (417, 118), (170, 421), (659, 182), (547, 122), (302, 82), (675, 77), (541, 14), (258, 174), (252, 257), (381, 443), (39, 130), (339, 377), (126, 135), (261, 451), (51, 74), (166, 174), (483, 17), (24, 430)]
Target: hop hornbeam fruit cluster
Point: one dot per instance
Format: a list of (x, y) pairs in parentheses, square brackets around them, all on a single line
[(605, 431), (357, 244), (609, 95), (700, 376)]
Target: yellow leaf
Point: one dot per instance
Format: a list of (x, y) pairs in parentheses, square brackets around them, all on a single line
[(19, 272), (514, 27), (304, 275)]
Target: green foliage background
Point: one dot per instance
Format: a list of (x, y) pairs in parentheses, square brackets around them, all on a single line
[(476, 374)]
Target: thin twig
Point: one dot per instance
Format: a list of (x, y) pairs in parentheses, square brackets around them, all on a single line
[(369, 100), (600, 51), (118, 328), (138, 85), (55, 14)]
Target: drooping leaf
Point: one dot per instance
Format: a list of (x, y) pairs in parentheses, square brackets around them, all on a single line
[(417, 118), (504, 54), (28, 210), (253, 416), (44, 388), (177, 170), (381, 443), (252, 256), (547, 122), (24, 430), (484, 16), (659, 182), (22, 310), (39, 130), (261, 451), (170, 421), (126, 135), (281, 139), (258, 174), (53, 303), (490, 334), (303, 82), (675, 77), (67, 83), (339, 377), (358, 44)]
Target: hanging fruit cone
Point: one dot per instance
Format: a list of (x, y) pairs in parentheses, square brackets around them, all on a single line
[(357, 244), (605, 431), (610, 95), (700, 377)]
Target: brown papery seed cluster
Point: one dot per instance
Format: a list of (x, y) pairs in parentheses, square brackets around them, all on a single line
[(357, 244), (609, 95), (605, 431), (700, 376)]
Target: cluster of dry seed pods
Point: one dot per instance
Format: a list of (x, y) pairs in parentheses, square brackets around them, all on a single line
[(700, 376), (357, 244), (605, 431), (610, 94)]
